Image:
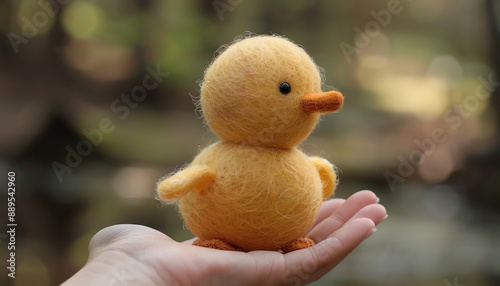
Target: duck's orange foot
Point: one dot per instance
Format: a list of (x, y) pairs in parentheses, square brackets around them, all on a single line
[(216, 244), (298, 243)]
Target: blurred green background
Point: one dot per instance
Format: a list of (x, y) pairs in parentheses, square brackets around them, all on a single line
[(417, 76)]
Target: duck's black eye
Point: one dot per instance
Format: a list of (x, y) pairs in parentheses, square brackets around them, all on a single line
[(285, 88)]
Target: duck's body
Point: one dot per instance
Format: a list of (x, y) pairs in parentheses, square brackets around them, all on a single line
[(254, 189), (258, 193)]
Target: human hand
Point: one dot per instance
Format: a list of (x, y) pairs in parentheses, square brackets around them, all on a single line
[(137, 255)]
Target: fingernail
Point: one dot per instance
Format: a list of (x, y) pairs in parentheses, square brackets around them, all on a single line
[(372, 231), (385, 216), (378, 200)]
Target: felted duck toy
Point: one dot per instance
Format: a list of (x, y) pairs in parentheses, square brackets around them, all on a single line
[(254, 189)]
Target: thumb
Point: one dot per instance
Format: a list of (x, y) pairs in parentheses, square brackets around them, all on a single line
[(115, 234)]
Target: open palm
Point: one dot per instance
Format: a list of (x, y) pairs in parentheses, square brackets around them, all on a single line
[(138, 255)]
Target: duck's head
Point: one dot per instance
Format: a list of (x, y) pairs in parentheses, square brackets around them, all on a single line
[(265, 91)]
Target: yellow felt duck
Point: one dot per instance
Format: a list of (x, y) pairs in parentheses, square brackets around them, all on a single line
[(254, 189)]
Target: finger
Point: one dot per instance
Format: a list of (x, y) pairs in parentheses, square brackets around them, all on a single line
[(342, 214), (310, 264), (375, 212), (327, 208), (328, 267)]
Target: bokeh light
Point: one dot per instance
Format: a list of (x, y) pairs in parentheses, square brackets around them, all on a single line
[(83, 19), (431, 68)]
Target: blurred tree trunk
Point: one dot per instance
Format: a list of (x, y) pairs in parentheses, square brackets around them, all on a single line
[(481, 180), (494, 20)]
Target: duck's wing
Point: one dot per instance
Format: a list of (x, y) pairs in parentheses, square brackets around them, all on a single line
[(192, 179), (327, 174)]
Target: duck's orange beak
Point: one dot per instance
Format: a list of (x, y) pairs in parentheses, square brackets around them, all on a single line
[(322, 102)]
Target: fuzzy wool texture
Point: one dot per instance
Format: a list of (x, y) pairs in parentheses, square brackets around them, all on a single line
[(298, 244), (194, 179), (240, 98), (216, 244), (328, 175), (255, 190), (262, 198), (322, 102)]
